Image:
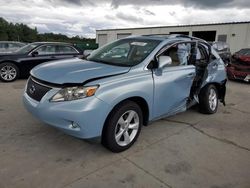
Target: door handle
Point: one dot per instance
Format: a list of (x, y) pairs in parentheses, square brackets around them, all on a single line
[(190, 75)]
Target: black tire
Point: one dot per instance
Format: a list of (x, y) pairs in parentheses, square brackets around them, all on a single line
[(15, 70), (204, 103), (110, 127)]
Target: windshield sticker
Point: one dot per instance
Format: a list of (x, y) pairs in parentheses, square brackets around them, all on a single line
[(139, 43)]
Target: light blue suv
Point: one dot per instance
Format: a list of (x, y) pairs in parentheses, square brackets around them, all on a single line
[(126, 84)]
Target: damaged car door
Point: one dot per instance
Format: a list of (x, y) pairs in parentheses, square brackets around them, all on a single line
[(173, 81)]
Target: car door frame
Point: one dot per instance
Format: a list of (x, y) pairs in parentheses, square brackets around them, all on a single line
[(185, 72), (30, 61)]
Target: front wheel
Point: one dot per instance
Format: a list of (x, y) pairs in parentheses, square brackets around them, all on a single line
[(122, 127), (208, 98), (8, 72)]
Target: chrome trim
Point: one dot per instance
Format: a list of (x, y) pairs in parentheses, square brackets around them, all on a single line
[(48, 86)]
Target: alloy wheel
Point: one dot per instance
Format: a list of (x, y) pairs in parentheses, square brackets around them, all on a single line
[(212, 99), (8, 73), (127, 128)]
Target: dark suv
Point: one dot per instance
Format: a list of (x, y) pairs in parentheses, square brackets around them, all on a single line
[(19, 64)]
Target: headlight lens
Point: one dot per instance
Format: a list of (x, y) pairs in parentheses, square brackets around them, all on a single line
[(74, 93)]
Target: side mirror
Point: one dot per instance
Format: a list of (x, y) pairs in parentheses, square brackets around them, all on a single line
[(34, 53), (164, 61), (87, 53)]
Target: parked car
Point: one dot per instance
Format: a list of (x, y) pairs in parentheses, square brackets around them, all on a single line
[(19, 64), (223, 50), (112, 96), (10, 46), (239, 69)]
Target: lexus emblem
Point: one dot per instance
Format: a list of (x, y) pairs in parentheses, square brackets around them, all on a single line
[(32, 89)]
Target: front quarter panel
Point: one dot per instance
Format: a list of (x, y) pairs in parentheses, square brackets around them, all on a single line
[(132, 84)]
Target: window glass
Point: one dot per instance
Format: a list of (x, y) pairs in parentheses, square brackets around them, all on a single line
[(179, 54), (244, 52), (46, 50), (124, 52), (13, 45), (4, 45), (66, 50), (27, 48)]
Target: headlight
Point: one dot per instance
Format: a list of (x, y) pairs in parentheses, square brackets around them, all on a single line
[(74, 93)]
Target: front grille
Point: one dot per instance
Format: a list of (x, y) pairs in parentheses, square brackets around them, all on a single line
[(35, 90)]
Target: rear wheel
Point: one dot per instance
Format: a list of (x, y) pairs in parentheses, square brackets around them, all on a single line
[(8, 72), (208, 98), (123, 127)]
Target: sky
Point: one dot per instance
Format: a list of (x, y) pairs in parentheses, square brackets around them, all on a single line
[(83, 17)]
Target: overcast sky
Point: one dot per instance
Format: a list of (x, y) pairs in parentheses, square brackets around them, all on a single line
[(83, 17)]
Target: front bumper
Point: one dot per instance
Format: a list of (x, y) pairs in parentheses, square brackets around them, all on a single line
[(82, 118), (238, 75)]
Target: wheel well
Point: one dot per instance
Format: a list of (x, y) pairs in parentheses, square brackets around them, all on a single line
[(141, 103), (13, 62), (221, 89)]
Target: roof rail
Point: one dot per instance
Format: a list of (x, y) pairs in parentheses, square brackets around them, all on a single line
[(191, 37), (175, 36)]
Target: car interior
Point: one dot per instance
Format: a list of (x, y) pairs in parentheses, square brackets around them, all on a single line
[(198, 56)]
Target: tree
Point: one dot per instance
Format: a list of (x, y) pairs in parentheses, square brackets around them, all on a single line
[(23, 33)]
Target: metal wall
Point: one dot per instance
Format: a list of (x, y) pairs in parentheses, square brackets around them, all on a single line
[(236, 34)]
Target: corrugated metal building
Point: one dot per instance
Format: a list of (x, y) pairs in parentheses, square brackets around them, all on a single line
[(237, 34)]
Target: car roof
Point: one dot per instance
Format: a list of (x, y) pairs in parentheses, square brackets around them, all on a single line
[(168, 38), (245, 49), (41, 43), (11, 42)]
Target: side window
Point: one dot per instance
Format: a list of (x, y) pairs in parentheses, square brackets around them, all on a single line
[(179, 54), (46, 50), (66, 50)]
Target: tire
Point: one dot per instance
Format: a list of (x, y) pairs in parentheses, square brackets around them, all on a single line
[(208, 100), (9, 72), (119, 135)]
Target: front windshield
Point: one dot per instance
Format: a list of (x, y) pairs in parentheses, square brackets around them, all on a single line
[(27, 48), (125, 52)]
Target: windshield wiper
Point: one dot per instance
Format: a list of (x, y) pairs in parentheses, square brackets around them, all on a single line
[(108, 63)]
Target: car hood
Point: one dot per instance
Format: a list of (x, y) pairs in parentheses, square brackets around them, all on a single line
[(74, 71)]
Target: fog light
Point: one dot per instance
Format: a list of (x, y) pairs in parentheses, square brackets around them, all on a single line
[(74, 126)]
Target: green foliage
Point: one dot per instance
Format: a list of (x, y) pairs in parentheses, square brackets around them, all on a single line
[(23, 33)]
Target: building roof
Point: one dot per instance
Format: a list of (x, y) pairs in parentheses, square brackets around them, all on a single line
[(171, 26)]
